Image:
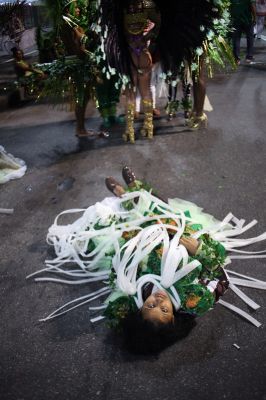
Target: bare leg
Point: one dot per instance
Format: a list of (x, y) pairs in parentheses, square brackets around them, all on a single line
[(80, 110), (80, 119), (141, 74), (199, 119), (144, 86), (199, 88), (81, 131)]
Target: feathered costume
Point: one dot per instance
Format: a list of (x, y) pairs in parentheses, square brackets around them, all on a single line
[(186, 26), (125, 243), (185, 30), (74, 74)]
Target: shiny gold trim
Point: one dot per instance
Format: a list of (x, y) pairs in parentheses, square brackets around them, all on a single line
[(147, 129), (130, 133)]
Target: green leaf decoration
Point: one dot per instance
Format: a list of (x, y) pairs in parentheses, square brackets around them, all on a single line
[(211, 255), (117, 310), (196, 299)]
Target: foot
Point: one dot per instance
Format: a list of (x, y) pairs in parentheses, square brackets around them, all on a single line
[(197, 122), (114, 186), (128, 176), (129, 135)]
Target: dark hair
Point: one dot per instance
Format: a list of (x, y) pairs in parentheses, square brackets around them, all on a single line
[(143, 336)]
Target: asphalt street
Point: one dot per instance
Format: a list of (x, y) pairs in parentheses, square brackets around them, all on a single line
[(221, 168)]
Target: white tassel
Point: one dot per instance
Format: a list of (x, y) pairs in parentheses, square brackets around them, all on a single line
[(88, 298), (240, 312), (243, 296)]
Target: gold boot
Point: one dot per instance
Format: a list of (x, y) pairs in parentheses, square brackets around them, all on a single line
[(198, 122), (147, 129), (130, 133)]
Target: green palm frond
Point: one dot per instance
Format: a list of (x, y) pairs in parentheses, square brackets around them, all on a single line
[(226, 50)]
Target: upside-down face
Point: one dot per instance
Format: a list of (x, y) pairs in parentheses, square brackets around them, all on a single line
[(158, 308)]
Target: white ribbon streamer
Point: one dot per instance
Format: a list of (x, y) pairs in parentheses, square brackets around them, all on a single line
[(240, 312), (71, 243)]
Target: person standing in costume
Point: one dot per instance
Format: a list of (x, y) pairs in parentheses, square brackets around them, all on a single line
[(179, 29), (141, 22), (74, 74), (215, 49), (131, 27), (75, 48), (107, 89), (243, 14)]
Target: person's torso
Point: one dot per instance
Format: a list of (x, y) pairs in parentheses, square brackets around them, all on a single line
[(241, 11), (71, 44)]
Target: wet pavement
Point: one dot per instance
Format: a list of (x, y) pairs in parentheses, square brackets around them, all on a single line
[(221, 168)]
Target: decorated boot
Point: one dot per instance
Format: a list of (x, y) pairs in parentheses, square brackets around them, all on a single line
[(129, 135), (147, 129)]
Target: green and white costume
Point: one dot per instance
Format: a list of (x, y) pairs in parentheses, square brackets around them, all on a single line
[(125, 243)]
